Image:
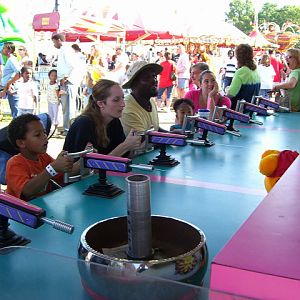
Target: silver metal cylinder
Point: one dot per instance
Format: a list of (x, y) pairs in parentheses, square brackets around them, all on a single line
[(139, 217)]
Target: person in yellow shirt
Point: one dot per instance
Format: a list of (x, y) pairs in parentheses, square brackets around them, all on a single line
[(140, 110)]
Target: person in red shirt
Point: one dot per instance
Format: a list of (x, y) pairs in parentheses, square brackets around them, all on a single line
[(28, 173), (277, 65), (166, 82)]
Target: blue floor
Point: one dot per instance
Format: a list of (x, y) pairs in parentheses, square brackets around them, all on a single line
[(215, 188)]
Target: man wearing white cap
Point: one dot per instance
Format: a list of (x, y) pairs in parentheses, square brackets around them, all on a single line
[(140, 110)]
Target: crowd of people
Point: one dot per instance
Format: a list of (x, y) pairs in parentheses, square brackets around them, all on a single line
[(124, 100), (77, 73)]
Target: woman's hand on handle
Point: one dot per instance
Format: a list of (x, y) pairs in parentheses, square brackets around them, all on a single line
[(133, 141)]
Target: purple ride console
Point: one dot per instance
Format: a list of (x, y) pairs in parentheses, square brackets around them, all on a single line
[(210, 126), (105, 163), (163, 139), (267, 103), (244, 106), (232, 115), (235, 115), (25, 213), (206, 126), (20, 211)]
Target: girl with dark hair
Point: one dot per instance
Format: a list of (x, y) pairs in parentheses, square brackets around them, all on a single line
[(99, 123), (27, 91), (246, 81)]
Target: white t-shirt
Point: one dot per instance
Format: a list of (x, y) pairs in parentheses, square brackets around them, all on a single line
[(52, 93), (26, 92), (120, 68), (183, 66), (266, 76)]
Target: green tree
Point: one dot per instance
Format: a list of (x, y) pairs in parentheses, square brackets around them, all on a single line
[(242, 13), (288, 13), (271, 13), (268, 13)]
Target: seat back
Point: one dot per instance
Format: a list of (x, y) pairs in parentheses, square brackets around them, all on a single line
[(4, 157)]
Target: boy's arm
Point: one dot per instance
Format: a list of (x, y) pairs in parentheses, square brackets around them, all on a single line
[(34, 186), (20, 182), (63, 163)]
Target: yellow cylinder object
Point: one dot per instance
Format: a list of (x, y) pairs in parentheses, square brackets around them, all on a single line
[(270, 182), (268, 164)]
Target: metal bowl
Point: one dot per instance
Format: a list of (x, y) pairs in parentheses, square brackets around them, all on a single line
[(179, 253)]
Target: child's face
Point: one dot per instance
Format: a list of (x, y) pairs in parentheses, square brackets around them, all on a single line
[(183, 109), (53, 76), (35, 141), (27, 75)]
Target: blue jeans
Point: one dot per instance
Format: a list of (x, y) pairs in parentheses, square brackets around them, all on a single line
[(227, 81), (161, 91), (13, 100), (68, 103)]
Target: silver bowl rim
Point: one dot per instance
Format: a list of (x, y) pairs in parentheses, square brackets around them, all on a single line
[(149, 262)]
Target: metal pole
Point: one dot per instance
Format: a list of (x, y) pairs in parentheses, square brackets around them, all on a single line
[(139, 216), (56, 5)]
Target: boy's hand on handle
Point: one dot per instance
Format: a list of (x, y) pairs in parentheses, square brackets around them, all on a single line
[(133, 141), (63, 163)]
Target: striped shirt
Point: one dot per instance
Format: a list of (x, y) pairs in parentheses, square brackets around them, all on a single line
[(230, 67)]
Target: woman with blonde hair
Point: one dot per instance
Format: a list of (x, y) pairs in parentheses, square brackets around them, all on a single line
[(266, 73), (96, 65), (99, 123), (292, 84), (23, 54)]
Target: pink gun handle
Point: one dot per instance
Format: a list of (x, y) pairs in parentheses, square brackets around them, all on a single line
[(166, 134), (16, 202), (108, 157)]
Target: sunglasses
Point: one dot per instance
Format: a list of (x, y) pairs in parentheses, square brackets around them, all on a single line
[(288, 56), (21, 49)]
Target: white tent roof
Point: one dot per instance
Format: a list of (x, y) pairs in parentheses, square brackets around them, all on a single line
[(216, 31)]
